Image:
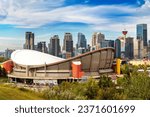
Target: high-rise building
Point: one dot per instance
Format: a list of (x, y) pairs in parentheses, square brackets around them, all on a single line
[(68, 43), (117, 48), (7, 53), (107, 43), (88, 48), (141, 30), (81, 41), (139, 50), (54, 46), (29, 43), (81, 45), (110, 43), (129, 48), (135, 48), (41, 47), (97, 37)]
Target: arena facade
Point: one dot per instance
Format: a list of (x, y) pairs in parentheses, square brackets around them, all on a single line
[(35, 67)]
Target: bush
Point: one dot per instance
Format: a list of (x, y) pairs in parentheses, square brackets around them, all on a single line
[(73, 91), (91, 89), (105, 82), (139, 86), (133, 86), (56, 93), (109, 90)]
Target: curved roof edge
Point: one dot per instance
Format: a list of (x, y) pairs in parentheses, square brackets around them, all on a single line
[(71, 59), (32, 58)]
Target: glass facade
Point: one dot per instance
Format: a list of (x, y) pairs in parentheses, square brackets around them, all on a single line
[(81, 41), (141, 30), (117, 48), (129, 48)]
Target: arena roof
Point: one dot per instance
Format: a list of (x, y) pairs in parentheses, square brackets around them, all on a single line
[(31, 64), (31, 57)]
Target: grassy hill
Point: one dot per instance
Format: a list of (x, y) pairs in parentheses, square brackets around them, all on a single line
[(12, 93), (8, 92)]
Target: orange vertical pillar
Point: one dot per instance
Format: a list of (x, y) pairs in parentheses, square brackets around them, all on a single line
[(76, 69)]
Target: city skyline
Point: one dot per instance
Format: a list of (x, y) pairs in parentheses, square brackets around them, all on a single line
[(46, 18)]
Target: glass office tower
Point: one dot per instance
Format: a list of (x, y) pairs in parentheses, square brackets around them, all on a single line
[(141, 30)]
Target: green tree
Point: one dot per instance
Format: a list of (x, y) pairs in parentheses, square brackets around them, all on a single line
[(105, 82), (91, 89), (139, 86)]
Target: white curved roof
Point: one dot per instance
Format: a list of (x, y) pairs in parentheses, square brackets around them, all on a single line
[(32, 57)]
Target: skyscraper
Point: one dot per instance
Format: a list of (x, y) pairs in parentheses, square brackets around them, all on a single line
[(68, 43), (67, 46), (117, 48), (141, 30), (8, 53), (81, 41), (29, 43), (41, 47), (129, 49), (140, 49), (107, 43), (136, 56), (97, 38), (81, 45), (54, 46)]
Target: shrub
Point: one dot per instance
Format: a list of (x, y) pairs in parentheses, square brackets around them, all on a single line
[(91, 89), (105, 82), (139, 86)]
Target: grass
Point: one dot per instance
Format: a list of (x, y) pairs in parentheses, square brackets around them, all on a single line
[(3, 79), (8, 92)]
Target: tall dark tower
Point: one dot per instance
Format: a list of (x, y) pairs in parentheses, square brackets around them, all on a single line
[(117, 48), (68, 43), (54, 46), (141, 33), (41, 46), (81, 41), (129, 51), (29, 43), (67, 46)]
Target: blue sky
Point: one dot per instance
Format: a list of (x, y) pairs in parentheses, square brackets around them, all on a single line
[(48, 17)]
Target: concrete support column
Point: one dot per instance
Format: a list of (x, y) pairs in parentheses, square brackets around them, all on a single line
[(27, 71), (34, 72), (45, 69)]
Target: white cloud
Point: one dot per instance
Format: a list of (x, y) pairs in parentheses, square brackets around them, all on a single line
[(30, 18), (20, 8), (36, 13)]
